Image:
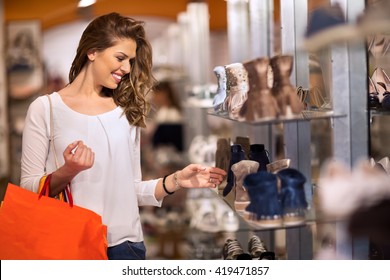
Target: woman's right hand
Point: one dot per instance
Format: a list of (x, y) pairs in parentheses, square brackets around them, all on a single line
[(78, 157)]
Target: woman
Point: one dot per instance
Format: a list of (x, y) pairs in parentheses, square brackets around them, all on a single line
[(97, 121)]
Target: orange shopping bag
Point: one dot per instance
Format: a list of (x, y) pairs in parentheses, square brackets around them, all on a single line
[(43, 228)]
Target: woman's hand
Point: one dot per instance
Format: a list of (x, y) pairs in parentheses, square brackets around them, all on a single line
[(199, 176), (78, 157)]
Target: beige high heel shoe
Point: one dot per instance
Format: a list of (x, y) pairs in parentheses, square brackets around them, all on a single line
[(381, 82)]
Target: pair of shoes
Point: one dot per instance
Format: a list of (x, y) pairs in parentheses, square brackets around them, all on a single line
[(257, 153), (382, 165), (379, 96), (257, 89), (232, 250), (210, 214), (232, 89), (269, 102), (276, 199), (385, 163)]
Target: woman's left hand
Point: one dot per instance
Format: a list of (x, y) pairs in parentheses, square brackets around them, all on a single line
[(199, 176)]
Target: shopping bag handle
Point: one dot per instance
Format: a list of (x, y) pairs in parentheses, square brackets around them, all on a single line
[(46, 187)]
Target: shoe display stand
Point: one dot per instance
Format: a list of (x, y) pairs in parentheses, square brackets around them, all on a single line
[(346, 80)]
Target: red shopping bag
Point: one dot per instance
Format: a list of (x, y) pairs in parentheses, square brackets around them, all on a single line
[(43, 228)]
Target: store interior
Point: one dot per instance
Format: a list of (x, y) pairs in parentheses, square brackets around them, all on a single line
[(330, 57)]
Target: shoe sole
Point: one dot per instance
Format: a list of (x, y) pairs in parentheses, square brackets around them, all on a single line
[(293, 221), (240, 206)]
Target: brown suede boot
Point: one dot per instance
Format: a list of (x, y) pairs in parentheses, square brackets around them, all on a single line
[(222, 158), (260, 104), (245, 144), (285, 94)]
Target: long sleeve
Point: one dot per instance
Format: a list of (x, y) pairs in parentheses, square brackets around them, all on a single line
[(144, 189), (35, 146)]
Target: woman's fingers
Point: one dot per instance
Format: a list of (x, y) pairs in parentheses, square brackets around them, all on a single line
[(71, 147), (79, 155)]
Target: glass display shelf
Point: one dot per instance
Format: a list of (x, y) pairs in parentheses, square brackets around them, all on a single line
[(312, 217), (305, 115)]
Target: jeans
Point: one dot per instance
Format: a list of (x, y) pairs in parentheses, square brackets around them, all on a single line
[(127, 251)]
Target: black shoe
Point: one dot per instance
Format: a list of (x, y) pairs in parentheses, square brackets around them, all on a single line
[(267, 256)]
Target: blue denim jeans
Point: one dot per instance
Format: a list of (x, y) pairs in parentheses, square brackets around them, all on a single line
[(127, 251)]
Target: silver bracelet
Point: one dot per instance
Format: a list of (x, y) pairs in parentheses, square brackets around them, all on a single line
[(175, 180)]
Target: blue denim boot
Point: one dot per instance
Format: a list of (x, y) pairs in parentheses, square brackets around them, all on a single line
[(236, 155), (293, 196), (260, 154), (264, 208)]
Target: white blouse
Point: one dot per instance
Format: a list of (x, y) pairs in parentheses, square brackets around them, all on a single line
[(112, 187)]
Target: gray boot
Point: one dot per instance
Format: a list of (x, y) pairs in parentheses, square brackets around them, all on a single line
[(241, 170)]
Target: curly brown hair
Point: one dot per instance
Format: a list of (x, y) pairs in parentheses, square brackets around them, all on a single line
[(102, 33)]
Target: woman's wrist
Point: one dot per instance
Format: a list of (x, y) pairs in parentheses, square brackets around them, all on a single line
[(166, 190), (176, 180), (174, 184)]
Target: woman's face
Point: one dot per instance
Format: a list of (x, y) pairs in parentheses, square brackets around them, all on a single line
[(110, 65)]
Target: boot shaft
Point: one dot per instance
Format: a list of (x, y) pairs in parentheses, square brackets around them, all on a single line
[(257, 70), (292, 190), (241, 170), (260, 154), (263, 193), (219, 101), (281, 68)]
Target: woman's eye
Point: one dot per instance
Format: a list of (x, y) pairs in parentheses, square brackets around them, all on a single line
[(120, 58)]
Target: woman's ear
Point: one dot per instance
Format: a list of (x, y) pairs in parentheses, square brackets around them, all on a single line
[(91, 55)]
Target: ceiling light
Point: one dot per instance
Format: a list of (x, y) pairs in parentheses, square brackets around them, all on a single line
[(86, 3)]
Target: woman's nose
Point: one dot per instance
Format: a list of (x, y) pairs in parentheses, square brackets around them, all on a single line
[(126, 67)]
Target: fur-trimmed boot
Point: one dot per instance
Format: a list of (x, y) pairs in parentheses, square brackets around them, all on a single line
[(293, 197), (265, 208), (237, 88)]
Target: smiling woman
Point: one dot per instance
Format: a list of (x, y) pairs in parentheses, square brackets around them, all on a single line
[(100, 114)]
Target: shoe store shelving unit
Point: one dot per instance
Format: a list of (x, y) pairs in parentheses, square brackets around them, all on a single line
[(347, 72)]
